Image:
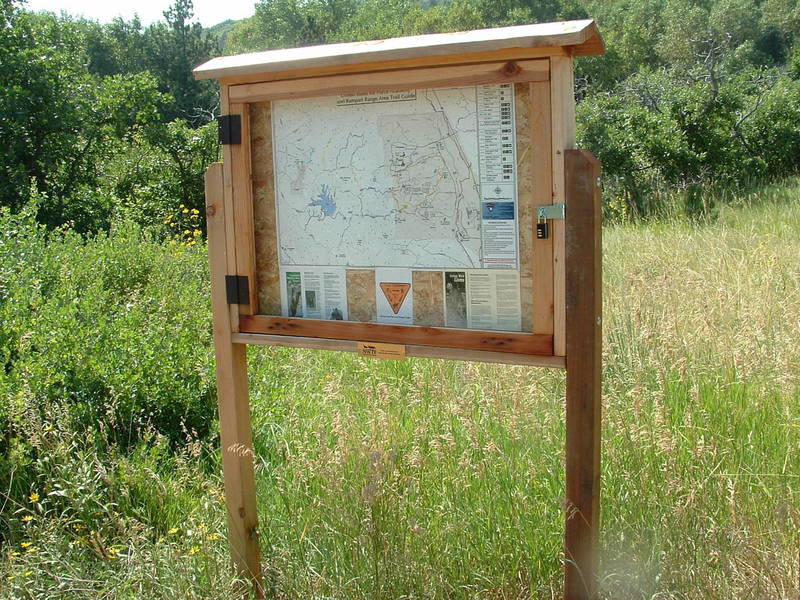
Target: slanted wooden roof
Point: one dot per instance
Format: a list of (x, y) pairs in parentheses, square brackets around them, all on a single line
[(578, 38)]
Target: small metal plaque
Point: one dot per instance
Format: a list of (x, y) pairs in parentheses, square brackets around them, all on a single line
[(551, 211), (386, 351)]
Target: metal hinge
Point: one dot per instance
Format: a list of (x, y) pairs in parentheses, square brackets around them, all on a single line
[(551, 211), (237, 289), (230, 129)]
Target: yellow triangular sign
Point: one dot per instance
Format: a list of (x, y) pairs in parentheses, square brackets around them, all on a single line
[(395, 294)]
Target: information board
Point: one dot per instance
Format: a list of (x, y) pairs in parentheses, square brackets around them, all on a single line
[(356, 197), (412, 197), (419, 186)]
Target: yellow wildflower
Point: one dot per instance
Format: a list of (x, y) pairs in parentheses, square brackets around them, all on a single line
[(34, 497), (195, 211), (48, 428), (27, 573), (181, 206), (26, 544), (194, 550), (212, 537), (196, 232), (27, 518), (173, 531)]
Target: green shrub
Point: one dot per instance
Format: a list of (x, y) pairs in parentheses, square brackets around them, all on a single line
[(114, 328)]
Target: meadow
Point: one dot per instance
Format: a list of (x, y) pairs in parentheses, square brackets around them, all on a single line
[(413, 479)]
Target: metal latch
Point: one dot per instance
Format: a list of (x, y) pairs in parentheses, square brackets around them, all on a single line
[(551, 211), (543, 214)]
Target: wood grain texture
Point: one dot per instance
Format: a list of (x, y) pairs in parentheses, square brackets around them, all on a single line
[(361, 302), (243, 208), (232, 393), (584, 366), (477, 58), (427, 288), (555, 362), (571, 34), (496, 341), (562, 109), (230, 223), (541, 194), (264, 212), (363, 83)]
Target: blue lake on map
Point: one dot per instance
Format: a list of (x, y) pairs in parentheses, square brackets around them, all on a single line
[(325, 202)]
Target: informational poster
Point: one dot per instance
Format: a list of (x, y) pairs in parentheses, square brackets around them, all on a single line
[(482, 299), (314, 293), (455, 299), (493, 300), (396, 183)]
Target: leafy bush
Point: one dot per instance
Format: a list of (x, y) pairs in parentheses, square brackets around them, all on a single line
[(159, 173), (114, 329), (658, 131)]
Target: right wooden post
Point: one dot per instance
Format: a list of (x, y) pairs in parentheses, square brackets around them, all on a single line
[(584, 361)]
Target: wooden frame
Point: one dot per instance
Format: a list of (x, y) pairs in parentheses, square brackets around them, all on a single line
[(565, 267), (544, 341)]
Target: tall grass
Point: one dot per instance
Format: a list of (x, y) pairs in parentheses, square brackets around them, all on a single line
[(435, 479), (445, 480)]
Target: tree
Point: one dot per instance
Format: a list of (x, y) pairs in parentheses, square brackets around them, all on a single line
[(173, 50)]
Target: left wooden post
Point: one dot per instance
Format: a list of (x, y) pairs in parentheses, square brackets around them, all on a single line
[(233, 397)]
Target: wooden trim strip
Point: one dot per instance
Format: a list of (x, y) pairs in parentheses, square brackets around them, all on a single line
[(494, 341), (362, 83), (531, 360), (228, 188), (244, 236), (476, 58), (562, 107), (540, 131)]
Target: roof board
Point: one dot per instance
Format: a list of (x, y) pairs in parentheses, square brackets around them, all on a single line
[(582, 37)]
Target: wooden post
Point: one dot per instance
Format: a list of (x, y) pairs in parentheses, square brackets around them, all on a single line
[(234, 408), (583, 337)]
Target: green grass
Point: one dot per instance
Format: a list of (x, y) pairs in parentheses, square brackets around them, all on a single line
[(434, 479)]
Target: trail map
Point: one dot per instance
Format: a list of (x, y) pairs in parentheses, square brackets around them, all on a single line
[(421, 178)]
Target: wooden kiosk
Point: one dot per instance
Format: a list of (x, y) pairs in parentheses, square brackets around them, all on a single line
[(416, 196)]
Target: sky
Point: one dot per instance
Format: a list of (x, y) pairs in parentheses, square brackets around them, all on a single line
[(207, 12)]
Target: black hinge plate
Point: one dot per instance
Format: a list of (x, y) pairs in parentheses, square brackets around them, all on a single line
[(237, 289), (230, 129)]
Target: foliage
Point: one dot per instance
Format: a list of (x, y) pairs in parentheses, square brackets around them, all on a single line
[(159, 171), (659, 131), (80, 96), (169, 50), (396, 479), (110, 329)]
